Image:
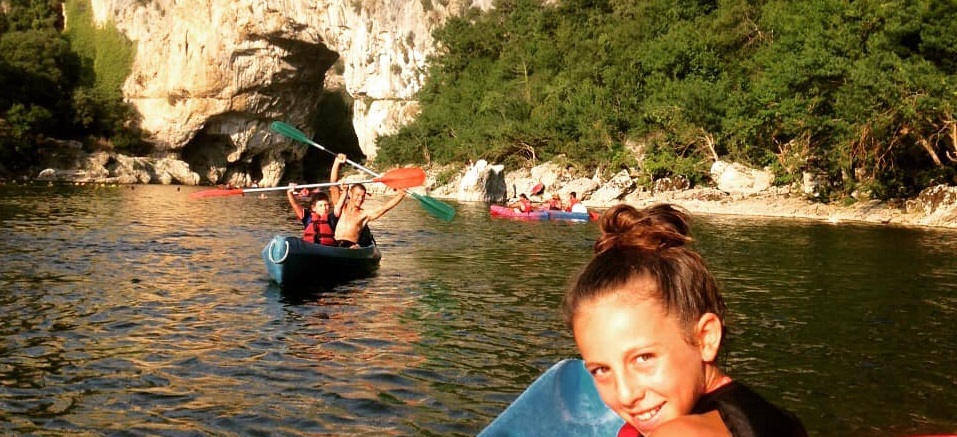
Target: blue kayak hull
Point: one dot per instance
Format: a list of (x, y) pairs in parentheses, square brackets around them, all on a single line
[(563, 401), (571, 216), (291, 261)]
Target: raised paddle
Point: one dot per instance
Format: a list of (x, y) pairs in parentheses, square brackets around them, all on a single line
[(398, 178), (434, 207)]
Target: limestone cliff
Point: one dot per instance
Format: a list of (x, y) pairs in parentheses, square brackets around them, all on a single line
[(209, 75)]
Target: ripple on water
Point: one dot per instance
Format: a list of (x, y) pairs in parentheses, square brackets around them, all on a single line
[(142, 313)]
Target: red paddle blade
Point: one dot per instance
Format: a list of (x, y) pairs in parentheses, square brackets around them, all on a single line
[(216, 193), (538, 188), (407, 177)]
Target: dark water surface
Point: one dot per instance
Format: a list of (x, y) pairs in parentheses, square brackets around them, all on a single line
[(140, 312)]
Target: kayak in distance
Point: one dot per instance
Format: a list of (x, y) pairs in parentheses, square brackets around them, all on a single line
[(512, 213)]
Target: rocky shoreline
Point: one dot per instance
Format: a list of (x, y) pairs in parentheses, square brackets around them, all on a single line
[(737, 190), (789, 207), (786, 206), (735, 195)]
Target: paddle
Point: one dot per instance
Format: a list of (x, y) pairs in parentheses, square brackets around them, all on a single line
[(434, 207), (398, 178)]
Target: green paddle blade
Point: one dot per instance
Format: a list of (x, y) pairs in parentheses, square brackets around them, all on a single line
[(435, 207), (290, 131)]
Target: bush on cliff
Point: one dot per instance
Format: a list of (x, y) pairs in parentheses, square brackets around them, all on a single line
[(862, 92)]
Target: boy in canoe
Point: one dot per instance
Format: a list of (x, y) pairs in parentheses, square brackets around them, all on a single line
[(352, 229), (555, 204), (318, 220), (353, 219)]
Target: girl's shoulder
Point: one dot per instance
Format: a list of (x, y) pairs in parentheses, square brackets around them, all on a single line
[(695, 425), (746, 413)]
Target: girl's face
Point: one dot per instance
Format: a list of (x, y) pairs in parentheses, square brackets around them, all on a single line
[(644, 368)]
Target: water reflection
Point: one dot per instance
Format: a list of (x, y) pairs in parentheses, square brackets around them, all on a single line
[(140, 311)]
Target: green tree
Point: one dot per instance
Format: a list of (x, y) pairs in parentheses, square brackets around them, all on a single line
[(39, 67), (61, 87), (24, 15), (19, 150), (863, 91)]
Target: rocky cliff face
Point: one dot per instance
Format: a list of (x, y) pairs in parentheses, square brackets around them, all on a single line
[(209, 75)]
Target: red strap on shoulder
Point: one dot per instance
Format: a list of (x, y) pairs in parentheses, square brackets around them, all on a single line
[(628, 431)]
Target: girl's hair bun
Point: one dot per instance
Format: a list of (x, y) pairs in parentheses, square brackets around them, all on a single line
[(654, 228)]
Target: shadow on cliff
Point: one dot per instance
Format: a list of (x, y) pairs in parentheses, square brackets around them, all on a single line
[(332, 124)]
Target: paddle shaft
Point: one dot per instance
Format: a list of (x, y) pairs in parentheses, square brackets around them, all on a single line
[(298, 135), (291, 131), (348, 161), (241, 191), (433, 206), (299, 187)]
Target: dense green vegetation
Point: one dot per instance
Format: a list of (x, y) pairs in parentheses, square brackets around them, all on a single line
[(863, 92), (60, 84)]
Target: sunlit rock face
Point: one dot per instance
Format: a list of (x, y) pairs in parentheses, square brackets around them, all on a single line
[(210, 75), (937, 205)]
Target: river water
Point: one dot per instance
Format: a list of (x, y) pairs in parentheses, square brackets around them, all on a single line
[(136, 311)]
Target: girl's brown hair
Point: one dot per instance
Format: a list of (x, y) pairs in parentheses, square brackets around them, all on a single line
[(650, 244)]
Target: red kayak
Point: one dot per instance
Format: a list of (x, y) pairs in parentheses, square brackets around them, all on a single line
[(504, 211)]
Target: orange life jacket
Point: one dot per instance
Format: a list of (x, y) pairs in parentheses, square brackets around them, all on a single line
[(319, 229)]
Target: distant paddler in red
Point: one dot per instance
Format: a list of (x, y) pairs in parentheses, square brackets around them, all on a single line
[(523, 204), (555, 203), (575, 205)]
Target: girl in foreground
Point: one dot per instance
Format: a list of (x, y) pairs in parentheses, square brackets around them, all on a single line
[(648, 321)]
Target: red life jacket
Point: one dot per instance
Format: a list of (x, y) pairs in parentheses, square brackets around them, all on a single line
[(571, 203), (319, 229), (526, 205)]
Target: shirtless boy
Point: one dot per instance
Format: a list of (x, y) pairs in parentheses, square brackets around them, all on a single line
[(352, 217)]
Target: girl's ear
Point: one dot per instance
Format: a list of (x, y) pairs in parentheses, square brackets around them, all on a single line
[(709, 332)]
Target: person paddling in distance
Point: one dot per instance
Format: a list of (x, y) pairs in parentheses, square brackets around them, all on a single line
[(523, 204), (648, 320), (555, 203), (318, 221), (575, 205), (353, 218)]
